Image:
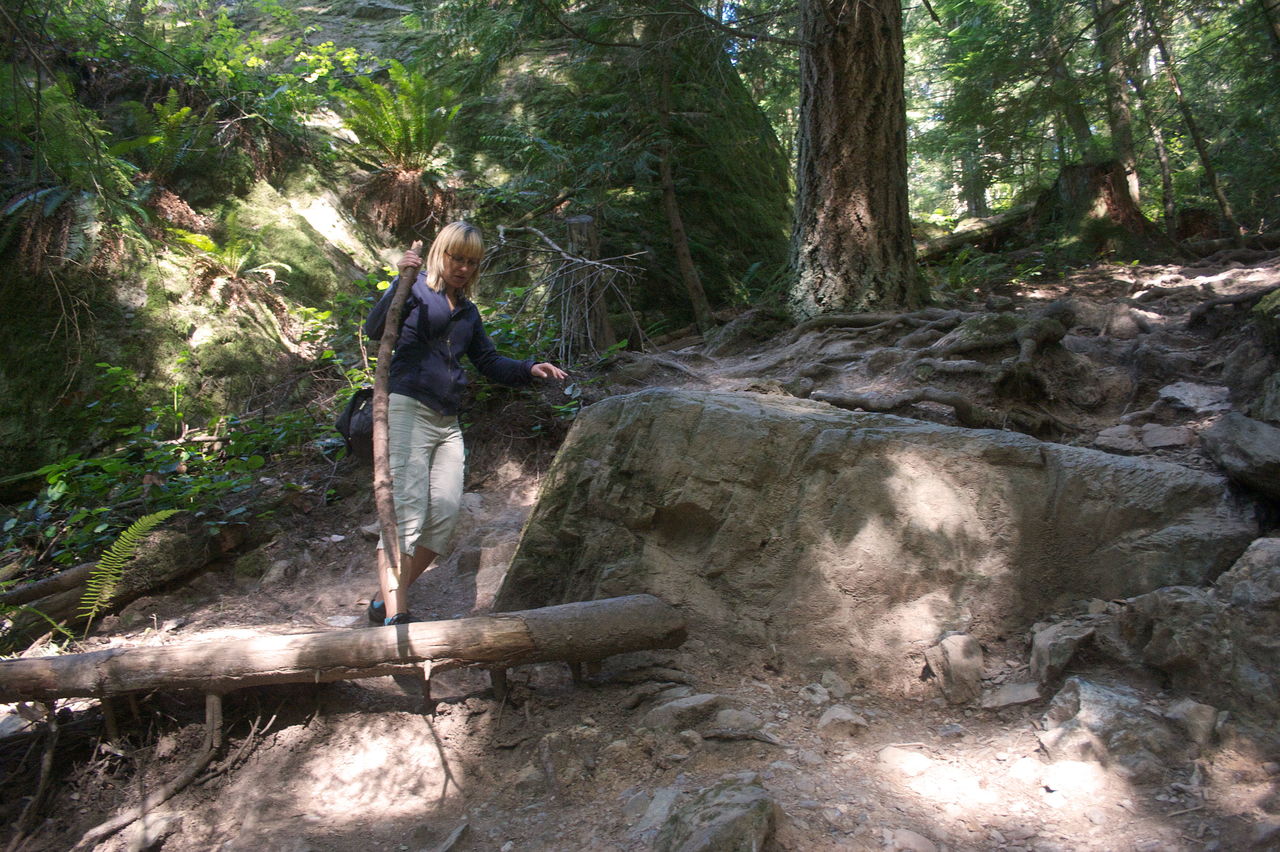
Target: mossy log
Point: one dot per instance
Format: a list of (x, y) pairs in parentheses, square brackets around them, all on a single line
[(576, 632), (169, 553)]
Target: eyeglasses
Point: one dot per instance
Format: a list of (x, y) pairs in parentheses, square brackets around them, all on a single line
[(462, 261)]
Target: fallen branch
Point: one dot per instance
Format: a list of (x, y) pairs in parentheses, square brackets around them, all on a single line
[(589, 630), (1200, 311)]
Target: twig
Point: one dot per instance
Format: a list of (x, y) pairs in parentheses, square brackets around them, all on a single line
[(1198, 807), (213, 742)]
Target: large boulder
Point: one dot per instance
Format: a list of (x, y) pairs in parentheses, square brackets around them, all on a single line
[(855, 536), (1218, 643), (1249, 451)]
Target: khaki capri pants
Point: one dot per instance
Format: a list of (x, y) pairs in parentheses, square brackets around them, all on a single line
[(427, 464)]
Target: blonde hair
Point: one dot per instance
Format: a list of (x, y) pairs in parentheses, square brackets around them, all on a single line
[(462, 240)]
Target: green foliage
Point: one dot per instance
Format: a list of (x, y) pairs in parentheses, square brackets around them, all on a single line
[(171, 137), (87, 501), (402, 124), (105, 577), (65, 184)]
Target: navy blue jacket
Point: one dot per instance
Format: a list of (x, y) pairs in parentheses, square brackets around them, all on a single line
[(433, 338)]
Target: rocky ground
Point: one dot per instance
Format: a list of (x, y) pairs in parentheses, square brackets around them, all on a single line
[(659, 746)]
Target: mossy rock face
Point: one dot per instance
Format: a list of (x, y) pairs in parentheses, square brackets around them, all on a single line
[(149, 322), (266, 220)]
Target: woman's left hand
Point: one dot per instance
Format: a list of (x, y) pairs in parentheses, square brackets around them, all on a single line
[(548, 371)]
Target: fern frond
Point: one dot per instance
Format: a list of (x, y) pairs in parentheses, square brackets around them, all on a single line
[(105, 577)]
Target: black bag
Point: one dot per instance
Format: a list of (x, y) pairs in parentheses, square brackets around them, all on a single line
[(355, 425)]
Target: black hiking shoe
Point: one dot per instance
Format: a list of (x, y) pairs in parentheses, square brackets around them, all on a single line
[(399, 618), (377, 612)]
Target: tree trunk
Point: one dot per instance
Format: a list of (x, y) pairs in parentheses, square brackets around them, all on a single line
[(1066, 91), (1110, 21), (1089, 203), (851, 244), (590, 630), (973, 182), (1270, 10), (1193, 127), (584, 241), (671, 204), (1167, 197)]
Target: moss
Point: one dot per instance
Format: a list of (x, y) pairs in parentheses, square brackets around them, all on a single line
[(1266, 314)]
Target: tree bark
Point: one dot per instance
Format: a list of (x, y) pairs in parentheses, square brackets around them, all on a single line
[(671, 204), (1066, 91), (1193, 127), (584, 241), (851, 243), (1167, 197), (589, 630), (1111, 22)]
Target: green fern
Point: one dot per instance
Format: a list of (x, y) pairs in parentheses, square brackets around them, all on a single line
[(400, 125), (105, 577)]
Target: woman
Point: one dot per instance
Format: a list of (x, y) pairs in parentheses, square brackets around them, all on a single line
[(427, 383)]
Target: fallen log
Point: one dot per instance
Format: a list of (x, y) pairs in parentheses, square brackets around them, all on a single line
[(168, 553), (590, 630)]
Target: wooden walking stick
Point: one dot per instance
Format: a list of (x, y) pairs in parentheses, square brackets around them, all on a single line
[(383, 490)]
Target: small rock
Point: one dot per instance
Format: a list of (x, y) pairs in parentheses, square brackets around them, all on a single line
[(1248, 449), (1053, 647), (1109, 724), (1010, 694), (909, 763), (841, 721), (1159, 437), (957, 662), (837, 687), (344, 620), (659, 810), (1201, 399), (736, 719), (1198, 720), (686, 712), (1119, 439), (635, 807), (729, 815), (816, 694), (1266, 832), (905, 840)]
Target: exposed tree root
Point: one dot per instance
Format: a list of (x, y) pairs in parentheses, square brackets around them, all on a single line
[(967, 412), (213, 742), (939, 365), (1201, 311), (32, 808), (876, 321)]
